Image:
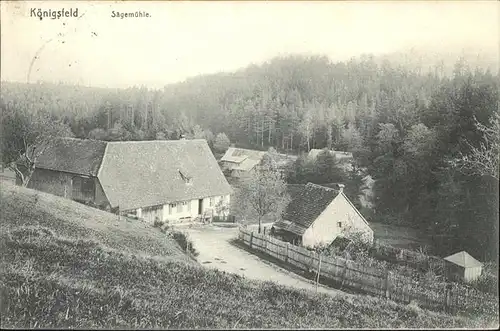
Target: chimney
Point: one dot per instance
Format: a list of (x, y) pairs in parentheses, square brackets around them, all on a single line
[(341, 188)]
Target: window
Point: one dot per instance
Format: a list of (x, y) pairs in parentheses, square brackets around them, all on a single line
[(170, 208), (179, 207), (339, 224), (185, 177), (212, 202)]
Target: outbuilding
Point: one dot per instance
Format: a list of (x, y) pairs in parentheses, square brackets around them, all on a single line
[(463, 266)]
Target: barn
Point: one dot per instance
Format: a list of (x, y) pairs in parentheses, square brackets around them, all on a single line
[(176, 180), (463, 266)]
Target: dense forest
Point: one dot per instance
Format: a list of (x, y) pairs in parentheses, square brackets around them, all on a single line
[(409, 128)]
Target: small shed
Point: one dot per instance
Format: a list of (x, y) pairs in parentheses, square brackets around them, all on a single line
[(464, 266)]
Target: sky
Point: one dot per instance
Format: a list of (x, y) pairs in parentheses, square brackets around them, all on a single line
[(185, 39)]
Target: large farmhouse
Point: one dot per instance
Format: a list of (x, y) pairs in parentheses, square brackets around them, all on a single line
[(170, 180), (316, 215)]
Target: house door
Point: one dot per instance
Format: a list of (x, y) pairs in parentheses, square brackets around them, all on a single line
[(200, 206)]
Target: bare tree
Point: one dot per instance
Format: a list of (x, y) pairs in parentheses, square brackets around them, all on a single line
[(484, 159), (264, 193), (25, 137)]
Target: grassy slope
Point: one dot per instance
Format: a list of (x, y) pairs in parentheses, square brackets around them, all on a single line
[(21, 206), (52, 279)]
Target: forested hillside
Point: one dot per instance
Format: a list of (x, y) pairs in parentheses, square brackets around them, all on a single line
[(409, 127)]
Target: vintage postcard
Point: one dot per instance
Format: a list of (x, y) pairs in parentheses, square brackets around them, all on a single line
[(249, 164)]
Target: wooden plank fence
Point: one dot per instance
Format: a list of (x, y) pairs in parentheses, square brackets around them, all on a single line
[(436, 296)]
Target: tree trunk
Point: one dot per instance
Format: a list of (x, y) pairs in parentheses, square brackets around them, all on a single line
[(259, 224), (329, 137), (269, 133), (27, 178), (24, 178), (262, 133)]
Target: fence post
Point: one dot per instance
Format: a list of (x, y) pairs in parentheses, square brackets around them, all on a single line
[(319, 270), (447, 301), (251, 239), (344, 273), (387, 285), (286, 256)]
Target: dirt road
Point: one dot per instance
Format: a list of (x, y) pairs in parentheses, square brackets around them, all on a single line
[(216, 251)]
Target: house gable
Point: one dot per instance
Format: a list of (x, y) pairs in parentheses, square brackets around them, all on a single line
[(307, 203), (338, 216)]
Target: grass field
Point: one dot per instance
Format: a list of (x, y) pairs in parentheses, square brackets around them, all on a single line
[(399, 236), (21, 206), (65, 265)]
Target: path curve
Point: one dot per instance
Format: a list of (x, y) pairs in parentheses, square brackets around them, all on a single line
[(216, 251)]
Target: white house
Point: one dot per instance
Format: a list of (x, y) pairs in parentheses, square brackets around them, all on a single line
[(316, 215), (175, 180)]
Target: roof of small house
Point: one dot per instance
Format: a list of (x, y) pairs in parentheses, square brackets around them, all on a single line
[(307, 203), (339, 155), (238, 155), (73, 155), (246, 165), (463, 259), (243, 159), (137, 174)]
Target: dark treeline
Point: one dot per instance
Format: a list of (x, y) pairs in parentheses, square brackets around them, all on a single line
[(405, 126)]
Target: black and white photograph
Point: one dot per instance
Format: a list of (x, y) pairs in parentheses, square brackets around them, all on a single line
[(249, 165)]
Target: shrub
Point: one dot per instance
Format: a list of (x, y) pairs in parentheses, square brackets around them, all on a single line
[(183, 240), (158, 223), (487, 282)]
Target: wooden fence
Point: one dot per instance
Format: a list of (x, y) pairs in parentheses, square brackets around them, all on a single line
[(225, 219), (371, 280)]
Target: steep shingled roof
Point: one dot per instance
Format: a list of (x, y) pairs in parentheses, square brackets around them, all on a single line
[(73, 155), (463, 259), (147, 173), (307, 203)]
